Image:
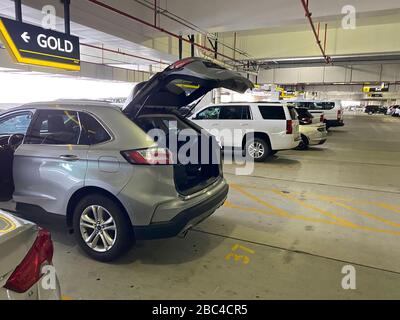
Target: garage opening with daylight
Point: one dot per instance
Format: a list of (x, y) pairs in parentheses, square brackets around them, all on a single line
[(199, 150)]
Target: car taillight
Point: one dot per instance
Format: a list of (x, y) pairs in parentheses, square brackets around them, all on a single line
[(29, 270), (289, 127), (322, 118), (151, 156)]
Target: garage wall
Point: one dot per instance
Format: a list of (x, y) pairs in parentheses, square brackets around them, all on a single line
[(332, 74), (88, 70)]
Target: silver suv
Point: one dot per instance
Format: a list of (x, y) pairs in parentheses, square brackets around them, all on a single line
[(97, 165)]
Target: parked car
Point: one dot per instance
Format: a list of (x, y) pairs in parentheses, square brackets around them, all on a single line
[(24, 250), (375, 109), (311, 134), (96, 164), (275, 127), (396, 112), (305, 117), (392, 110), (332, 110)]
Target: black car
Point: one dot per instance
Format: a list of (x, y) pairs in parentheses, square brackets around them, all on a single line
[(375, 109)]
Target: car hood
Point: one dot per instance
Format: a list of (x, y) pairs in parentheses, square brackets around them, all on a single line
[(181, 84)]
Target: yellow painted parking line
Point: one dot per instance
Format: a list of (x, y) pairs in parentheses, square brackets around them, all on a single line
[(279, 211), (66, 298), (285, 214), (275, 210), (386, 206), (382, 205), (316, 220), (314, 208), (359, 211), (292, 216)]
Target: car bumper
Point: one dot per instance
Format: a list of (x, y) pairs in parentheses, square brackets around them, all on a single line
[(335, 123), (318, 138), (285, 141), (36, 292), (188, 213)]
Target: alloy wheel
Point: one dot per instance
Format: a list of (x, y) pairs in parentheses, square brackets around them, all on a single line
[(98, 228), (256, 150)]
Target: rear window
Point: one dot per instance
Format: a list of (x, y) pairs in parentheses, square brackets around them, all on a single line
[(303, 113), (92, 131), (272, 112), (324, 105)]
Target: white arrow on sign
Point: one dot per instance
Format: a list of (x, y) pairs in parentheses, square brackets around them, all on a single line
[(25, 36)]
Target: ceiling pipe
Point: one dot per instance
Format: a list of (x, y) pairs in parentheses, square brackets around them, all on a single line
[(124, 53), (316, 33), (108, 7), (339, 60), (189, 25)]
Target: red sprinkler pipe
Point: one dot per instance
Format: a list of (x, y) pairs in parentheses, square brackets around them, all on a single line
[(124, 53), (316, 33), (106, 6)]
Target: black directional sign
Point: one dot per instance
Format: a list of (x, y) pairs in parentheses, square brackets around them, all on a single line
[(33, 45)]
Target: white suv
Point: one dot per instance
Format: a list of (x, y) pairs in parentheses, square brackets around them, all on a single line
[(275, 127), (332, 111)]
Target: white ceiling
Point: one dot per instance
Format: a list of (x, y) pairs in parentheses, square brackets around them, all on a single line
[(237, 15), (96, 25), (212, 15)]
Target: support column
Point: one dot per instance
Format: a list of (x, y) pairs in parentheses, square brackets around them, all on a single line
[(67, 17), (18, 10)]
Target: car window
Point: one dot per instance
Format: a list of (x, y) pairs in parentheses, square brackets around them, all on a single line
[(210, 113), (303, 113), (15, 123), (234, 113), (272, 112), (324, 105), (92, 131), (293, 113), (55, 127), (246, 114)]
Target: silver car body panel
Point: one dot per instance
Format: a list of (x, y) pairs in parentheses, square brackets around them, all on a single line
[(148, 193), (41, 178)]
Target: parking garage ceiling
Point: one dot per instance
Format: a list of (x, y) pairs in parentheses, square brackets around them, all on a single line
[(238, 16), (279, 24)]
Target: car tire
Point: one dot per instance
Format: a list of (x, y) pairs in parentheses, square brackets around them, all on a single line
[(110, 236), (257, 150), (304, 144)]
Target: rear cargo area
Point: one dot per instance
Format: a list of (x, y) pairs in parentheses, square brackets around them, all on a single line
[(204, 153)]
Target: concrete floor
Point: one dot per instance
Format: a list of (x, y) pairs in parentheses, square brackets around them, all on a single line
[(285, 233)]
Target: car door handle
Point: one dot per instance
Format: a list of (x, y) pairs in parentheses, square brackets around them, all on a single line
[(215, 125), (69, 157), (244, 124)]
